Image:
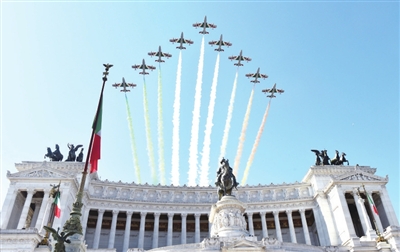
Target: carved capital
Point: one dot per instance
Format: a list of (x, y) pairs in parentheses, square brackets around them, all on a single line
[(184, 215), (276, 213), (197, 215), (156, 214), (129, 213), (288, 212), (30, 191), (115, 212), (143, 214), (249, 215), (262, 213), (302, 210), (170, 215), (101, 211)]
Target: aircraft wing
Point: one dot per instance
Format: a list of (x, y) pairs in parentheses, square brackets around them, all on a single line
[(246, 58), (136, 66), (188, 41), (233, 57), (280, 91), (174, 40), (267, 91), (250, 75), (131, 84), (212, 26), (227, 43), (197, 24), (214, 42), (264, 76), (167, 55), (152, 53), (116, 85), (151, 67)]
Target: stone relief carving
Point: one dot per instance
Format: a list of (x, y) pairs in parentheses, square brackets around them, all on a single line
[(270, 241), (360, 176)]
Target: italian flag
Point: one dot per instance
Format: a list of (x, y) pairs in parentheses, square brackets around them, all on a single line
[(57, 205), (372, 203), (95, 152)]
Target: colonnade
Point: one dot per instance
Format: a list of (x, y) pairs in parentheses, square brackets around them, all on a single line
[(171, 230)]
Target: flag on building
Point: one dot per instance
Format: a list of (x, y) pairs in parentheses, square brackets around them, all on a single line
[(95, 151), (371, 202), (57, 205)]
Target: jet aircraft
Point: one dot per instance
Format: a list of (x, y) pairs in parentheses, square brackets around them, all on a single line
[(144, 67), (239, 58), (256, 76), (124, 85), (220, 43), (272, 91), (181, 41), (204, 25), (159, 54)]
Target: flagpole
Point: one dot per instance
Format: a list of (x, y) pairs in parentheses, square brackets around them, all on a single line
[(50, 219), (73, 224), (380, 237)]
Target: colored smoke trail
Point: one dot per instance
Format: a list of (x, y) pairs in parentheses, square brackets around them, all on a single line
[(228, 118), (161, 161), (192, 173), (150, 149), (256, 142), (243, 134), (205, 160), (133, 142), (175, 123)]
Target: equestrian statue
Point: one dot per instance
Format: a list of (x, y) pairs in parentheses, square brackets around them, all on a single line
[(226, 180)]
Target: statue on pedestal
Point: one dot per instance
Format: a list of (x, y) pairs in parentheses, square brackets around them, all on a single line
[(226, 180)]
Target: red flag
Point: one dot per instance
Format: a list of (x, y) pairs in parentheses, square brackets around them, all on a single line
[(95, 151)]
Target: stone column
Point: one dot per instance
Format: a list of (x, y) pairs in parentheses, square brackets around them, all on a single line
[(127, 233), (347, 221), (97, 232), (156, 227), (305, 226), (369, 231), (326, 225), (84, 220), (264, 224), (25, 209), (291, 226), (43, 210), (197, 228), (359, 210), (250, 220), (8, 206), (387, 205), (376, 216), (111, 239), (277, 226), (141, 230), (183, 233), (170, 226)]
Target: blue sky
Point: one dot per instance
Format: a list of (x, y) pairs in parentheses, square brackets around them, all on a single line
[(338, 63)]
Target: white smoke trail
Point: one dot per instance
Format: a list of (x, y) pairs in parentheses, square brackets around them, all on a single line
[(205, 160), (228, 118), (150, 149), (192, 173), (175, 123), (243, 134), (161, 161), (256, 142)]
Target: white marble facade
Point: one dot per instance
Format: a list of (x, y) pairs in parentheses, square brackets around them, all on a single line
[(323, 212)]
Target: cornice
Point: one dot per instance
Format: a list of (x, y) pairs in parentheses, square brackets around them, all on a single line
[(68, 167), (335, 170)]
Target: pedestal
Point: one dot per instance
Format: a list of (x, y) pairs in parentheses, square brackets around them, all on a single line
[(227, 219)]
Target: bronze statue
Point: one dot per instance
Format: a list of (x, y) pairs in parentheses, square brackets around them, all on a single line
[(317, 158), (226, 180), (339, 160), (60, 238), (80, 156), (72, 150), (324, 155), (54, 156)]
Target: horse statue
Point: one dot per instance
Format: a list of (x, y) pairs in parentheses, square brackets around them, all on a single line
[(226, 180), (343, 159), (54, 156), (72, 150), (336, 159), (339, 160)]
